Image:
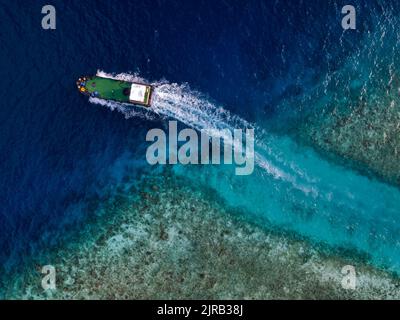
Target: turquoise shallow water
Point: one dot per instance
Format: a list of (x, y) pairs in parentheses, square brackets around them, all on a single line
[(292, 187), (328, 204)]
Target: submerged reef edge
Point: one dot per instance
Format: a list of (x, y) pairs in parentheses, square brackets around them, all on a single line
[(162, 238)]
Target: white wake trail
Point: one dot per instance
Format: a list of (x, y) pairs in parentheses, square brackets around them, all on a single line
[(178, 101), (194, 110)]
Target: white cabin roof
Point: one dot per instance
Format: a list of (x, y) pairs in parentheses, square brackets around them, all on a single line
[(137, 93)]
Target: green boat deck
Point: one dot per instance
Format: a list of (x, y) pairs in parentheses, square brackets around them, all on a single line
[(117, 90), (109, 89)]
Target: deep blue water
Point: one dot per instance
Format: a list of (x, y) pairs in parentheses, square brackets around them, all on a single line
[(56, 148)]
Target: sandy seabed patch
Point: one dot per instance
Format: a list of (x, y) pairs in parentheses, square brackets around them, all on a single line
[(172, 241)]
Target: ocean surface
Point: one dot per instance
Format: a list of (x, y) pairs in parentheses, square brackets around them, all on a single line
[(271, 65)]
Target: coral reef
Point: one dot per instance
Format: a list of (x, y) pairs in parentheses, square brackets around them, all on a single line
[(164, 239), (368, 135)]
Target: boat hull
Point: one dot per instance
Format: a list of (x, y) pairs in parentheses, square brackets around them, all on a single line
[(116, 90)]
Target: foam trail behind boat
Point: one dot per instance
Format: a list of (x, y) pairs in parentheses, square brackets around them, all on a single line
[(178, 101)]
